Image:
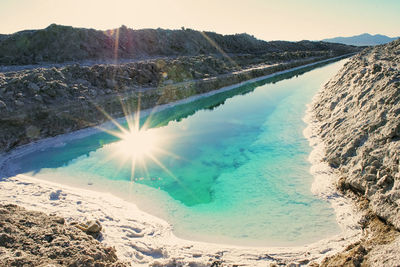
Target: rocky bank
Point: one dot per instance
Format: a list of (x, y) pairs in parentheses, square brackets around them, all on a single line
[(43, 102), (31, 238), (359, 122)]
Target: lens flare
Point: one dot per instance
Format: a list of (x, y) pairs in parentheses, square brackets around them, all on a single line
[(138, 143)]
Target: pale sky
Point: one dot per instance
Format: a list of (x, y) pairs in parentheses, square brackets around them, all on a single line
[(265, 19)]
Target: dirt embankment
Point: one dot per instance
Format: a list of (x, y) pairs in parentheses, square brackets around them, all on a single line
[(359, 115)]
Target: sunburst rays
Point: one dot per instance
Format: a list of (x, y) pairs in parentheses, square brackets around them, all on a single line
[(139, 144)]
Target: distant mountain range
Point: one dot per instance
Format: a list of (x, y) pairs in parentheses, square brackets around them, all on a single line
[(364, 39)]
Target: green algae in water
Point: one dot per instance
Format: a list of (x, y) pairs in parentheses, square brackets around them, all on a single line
[(239, 173)]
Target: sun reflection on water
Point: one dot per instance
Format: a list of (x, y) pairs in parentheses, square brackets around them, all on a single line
[(138, 144)]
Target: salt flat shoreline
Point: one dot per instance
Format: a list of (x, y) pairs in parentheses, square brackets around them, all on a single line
[(144, 239)]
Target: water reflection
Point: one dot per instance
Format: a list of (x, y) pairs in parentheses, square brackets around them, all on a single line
[(55, 157)]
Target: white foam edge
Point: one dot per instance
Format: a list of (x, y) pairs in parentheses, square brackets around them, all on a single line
[(325, 177)]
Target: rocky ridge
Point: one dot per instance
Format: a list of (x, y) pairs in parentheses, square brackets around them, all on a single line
[(359, 116), (31, 238), (58, 43)]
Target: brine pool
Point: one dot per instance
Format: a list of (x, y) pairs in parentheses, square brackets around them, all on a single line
[(229, 168)]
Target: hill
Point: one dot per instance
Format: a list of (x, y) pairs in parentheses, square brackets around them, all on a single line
[(364, 39), (58, 43)]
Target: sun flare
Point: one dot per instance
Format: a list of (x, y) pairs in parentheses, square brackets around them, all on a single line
[(138, 143)]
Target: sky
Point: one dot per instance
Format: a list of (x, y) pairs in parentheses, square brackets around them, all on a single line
[(290, 20)]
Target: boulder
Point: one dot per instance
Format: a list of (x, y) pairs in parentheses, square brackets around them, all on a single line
[(19, 103), (34, 87), (111, 83), (3, 105), (92, 227), (38, 98)]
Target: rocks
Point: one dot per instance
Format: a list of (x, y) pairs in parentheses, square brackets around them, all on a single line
[(32, 132), (83, 82), (93, 92), (111, 83), (55, 195), (92, 228), (38, 98), (378, 247), (34, 87), (50, 91), (3, 105), (376, 68), (19, 103), (29, 238)]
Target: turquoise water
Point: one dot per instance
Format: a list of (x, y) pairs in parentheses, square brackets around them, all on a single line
[(236, 170)]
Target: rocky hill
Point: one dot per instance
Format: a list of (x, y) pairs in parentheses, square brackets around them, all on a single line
[(359, 117), (64, 43)]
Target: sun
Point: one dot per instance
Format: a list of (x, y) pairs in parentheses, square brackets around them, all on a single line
[(138, 143)]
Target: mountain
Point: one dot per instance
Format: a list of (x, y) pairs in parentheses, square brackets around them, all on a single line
[(58, 43), (364, 39)]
